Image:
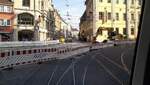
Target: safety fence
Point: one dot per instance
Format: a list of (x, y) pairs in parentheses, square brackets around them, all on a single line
[(11, 57), (27, 43)]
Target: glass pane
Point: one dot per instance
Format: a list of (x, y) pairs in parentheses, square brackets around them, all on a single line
[(67, 42)]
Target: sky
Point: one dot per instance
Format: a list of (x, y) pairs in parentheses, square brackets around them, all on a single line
[(75, 9)]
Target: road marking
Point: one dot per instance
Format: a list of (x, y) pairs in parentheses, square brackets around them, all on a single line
[(107, 70), (52, 75), (84, 75), (31, 75), (110, 60), (66, 71), (85, 70), (123, 63), (74, 79)]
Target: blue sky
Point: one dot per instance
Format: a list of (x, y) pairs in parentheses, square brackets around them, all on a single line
[(76, 9)]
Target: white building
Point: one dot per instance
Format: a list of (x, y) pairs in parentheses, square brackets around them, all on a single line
[(75, 33), (31, 21)]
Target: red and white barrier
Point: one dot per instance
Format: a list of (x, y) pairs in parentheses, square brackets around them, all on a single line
[(21, 56), (10, 57)]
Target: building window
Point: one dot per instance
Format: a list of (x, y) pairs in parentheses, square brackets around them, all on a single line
[(9, 9), (42, 4), (117, 1), (5, 22), (132, 16), (124, 1), (124, 16), (100, 0), (109, 15), (101, 15), (117, 30), (1, 8), (132, 1), (8, 23), (117, 16), (124, 31), (109, 1), (1, 22), (26, 19), (139, 2), (5, 8), (132, 31), (26, 3)]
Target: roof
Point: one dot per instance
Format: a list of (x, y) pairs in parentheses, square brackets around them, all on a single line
[(9, 2)]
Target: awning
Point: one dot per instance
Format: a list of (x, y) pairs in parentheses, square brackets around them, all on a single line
[(7, 16)]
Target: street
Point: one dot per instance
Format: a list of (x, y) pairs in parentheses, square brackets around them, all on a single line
[(107, 66)]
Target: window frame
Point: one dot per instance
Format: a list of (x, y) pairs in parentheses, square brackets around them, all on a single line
[(109, 16), (132, 31), (117, 1), (125, 31), (109, 1), (29, 19), (124, 16), (124, 1), (26, 3), (117, 16), (132, 17), (1, 22), (132, 2), (1, 8), (100, 0), (101, 15)]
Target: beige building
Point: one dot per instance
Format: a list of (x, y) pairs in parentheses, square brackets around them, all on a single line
[(57, 20), (57, 24), (31, 21), (107, 16)]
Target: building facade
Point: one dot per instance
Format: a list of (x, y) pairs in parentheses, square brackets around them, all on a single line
[(6, 20), (84, 25), (66, 29), (111, 16), (75, 33), (32, 20)]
